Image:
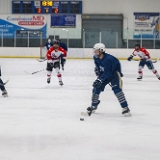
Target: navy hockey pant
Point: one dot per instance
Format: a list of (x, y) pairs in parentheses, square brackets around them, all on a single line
[(148, 63)]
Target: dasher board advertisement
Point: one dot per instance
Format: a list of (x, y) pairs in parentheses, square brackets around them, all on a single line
[(147, 25), (10, 24)]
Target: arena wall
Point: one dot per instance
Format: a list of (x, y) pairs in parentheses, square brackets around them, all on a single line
[(85, 53), (125, 7)]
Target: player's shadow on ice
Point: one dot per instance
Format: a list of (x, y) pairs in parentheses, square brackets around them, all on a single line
[(115, 115), (107, 114)]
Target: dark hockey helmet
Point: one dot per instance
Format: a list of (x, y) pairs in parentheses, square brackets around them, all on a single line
[(56, 42), (59, 41), (137, 47)]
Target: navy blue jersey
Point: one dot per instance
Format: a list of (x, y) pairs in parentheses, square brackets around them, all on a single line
[(108, 65), (48, 45), (63, 46)]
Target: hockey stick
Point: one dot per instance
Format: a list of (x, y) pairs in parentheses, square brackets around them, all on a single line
[(41, 60), (152, 61), (4, 83), (35, 71), (86, 113)]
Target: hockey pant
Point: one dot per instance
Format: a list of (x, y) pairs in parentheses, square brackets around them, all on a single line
[(56, 66), (116, 84), (150, 66)]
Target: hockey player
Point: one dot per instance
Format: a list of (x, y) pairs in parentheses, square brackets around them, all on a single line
[(54, 58), (108, 71), (2, 87), (48, 44), (144, 60)]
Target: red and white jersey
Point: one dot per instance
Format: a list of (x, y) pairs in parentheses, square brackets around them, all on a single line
[(54, 55), (142, 53)]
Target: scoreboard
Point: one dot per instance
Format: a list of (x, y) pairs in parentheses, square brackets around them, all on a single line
[(46, 7)]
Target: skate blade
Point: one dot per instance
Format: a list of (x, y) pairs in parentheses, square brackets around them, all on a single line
[(127, 115), (85, 114), (6, 95)]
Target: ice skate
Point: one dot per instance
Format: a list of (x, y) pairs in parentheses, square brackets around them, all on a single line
[(4, 93), (48, 80), (139, 78), (158, 77), (126, 112), (93, 108), (90, 110), (60, 83)]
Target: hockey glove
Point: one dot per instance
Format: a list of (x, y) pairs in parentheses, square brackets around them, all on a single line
[(130, 58), (97, 71), (97, 83)]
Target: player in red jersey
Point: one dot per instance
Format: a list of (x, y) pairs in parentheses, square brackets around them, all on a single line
[(55, 56), (145, 59)]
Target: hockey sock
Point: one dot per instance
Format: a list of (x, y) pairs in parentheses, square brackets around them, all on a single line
[(58, 74), (59, 77), (155, 72), (95, 100), (121, 98), (140, 73)]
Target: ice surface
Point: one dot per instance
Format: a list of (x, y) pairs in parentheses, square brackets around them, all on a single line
[(42, 122)]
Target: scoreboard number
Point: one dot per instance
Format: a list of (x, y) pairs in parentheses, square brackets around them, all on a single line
[(47, 3), (46, 7)]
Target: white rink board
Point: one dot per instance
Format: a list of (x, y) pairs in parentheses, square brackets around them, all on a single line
[(34, 52)]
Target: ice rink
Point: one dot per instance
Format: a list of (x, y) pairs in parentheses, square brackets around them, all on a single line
[(40, 121)]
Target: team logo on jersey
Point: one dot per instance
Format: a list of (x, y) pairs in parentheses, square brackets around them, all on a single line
[(53, 55)]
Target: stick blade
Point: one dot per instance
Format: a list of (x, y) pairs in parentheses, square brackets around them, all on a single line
[(41, 60), (84, 114), (27, 72), (6, 82)]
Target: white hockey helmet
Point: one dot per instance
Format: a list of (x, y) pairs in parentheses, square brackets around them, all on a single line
[(99, 46), (49, 41), (98, 49)]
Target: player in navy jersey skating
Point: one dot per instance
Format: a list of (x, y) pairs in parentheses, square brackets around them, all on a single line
[(108, 71)]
